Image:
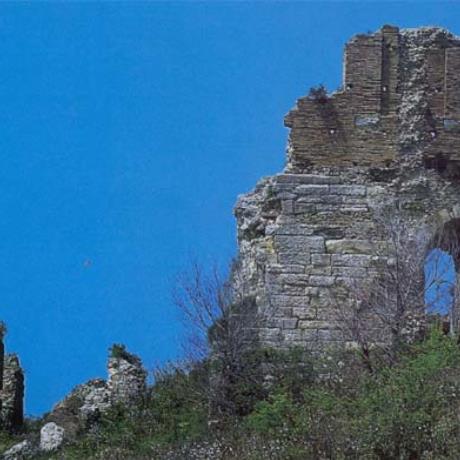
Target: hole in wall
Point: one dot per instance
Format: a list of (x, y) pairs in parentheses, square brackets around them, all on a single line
[(440, 276), (442, 293), (449, 169)]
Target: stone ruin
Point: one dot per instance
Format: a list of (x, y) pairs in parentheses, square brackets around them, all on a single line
[(389, 138), (79, 410), (11, 389), (82, 408)]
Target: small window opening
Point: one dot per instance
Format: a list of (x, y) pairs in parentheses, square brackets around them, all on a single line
[(438, 162), (440, 276)]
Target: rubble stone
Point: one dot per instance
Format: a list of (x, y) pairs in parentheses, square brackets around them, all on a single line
[(51, 437), (20, 451)]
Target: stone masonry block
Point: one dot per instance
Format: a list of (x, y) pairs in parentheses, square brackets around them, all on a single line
[(304, 208), (292, 335), (270, 334), (351, 260), (310, 335), (289, 229), (320, 259), (321, 200), (277, 269), (294, 279), (290, 323), (356, 272), (349, 246), (287, 301), (329, 335), (315, 324), (312, 189), (355, 190), (306, 179), (285, 243), (318, 280), (319, 270), (304, 313), (294, 258), (287, 206)]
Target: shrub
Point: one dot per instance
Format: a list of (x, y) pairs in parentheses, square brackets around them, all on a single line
[(118, 350), (318, 94), (406, 411)]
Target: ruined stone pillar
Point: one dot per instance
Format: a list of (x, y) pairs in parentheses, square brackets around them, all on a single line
[(2, 358), (12, 394), (127, 377)]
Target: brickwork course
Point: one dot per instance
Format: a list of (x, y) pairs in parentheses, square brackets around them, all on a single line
[(389, 137)]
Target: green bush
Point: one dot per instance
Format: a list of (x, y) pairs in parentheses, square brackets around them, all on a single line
[(308, 409), (118, 350), (406, 411)]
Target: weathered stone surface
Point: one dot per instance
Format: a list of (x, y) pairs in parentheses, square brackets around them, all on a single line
[(97, 400), (387, 137), (20, 451), (51, 437), (86, 402), (12, 393), (127, 379), (81, 407), (349, 246)]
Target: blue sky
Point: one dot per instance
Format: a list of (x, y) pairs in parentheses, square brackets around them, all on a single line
[(127, 132)]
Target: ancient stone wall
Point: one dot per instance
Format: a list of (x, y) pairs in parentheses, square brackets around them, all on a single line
[(127, 378), (12, 394), (11, 388), (84, 405), (387, 139), (393, 82)]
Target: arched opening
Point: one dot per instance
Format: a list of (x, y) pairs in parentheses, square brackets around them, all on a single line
[(441, 274), (439, 282)]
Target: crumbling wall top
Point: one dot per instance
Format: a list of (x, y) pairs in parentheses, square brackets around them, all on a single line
[(400, 99)]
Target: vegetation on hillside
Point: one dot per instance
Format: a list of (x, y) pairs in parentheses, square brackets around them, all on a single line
[(312, 408)]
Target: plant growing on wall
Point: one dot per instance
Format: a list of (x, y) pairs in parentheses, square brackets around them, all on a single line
[(390, 308)]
